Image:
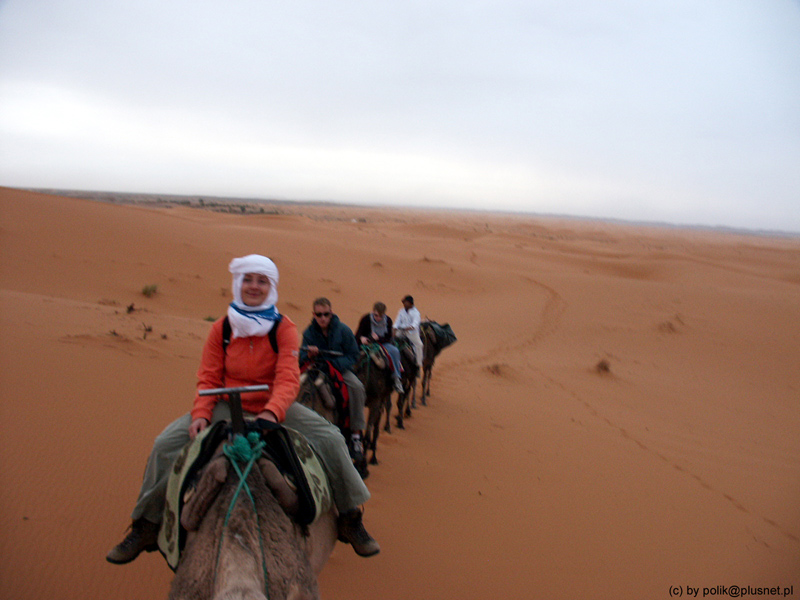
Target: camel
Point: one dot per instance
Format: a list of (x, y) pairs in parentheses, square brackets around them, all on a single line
[(410, 373), (432, 346), (316, 392), (258, 553), (375, 373)]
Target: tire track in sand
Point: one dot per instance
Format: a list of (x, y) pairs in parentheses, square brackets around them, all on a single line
[(594, 412), (548, 323)]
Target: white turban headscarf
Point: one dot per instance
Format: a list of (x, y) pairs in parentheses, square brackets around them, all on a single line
[(246, 320)]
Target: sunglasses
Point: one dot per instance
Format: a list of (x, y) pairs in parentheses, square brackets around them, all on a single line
[(322, 314)]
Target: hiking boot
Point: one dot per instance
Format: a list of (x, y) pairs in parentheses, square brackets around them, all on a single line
[(351, 531), (142, 537)]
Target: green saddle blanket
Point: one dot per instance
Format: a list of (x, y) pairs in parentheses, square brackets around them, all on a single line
[(309, 480)]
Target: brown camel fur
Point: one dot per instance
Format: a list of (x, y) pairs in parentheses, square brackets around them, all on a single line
[(316, 394), (376, 375), (408, 399), (226, 562), (430, 350)]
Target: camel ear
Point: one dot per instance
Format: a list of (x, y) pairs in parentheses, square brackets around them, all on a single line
[(284, 493), (214, 475)]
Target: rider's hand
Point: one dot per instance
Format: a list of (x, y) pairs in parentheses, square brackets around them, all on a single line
[(313, 351), (365, 340), (197, 426), (375, 336), (268, 415), (267, 421)]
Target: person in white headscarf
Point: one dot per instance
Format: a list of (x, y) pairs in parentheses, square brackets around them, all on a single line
[(248, 318), (249, 359), (406, 326)]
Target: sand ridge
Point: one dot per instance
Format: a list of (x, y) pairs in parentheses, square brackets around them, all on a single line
[(532, 473)]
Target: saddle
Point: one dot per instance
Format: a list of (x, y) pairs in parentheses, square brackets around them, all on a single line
[(332, 378), (407, 349), (379, 356), (285, 447)]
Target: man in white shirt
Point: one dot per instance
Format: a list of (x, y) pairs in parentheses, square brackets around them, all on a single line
[(406, 326)]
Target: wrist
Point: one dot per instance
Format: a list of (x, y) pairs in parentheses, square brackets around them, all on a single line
[(268, 415)]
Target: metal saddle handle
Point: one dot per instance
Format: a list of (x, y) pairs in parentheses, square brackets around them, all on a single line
[(235, 401)]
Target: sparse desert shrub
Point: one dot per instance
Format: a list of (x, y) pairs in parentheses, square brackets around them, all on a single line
[(603, 366), (494, 369), (150, 290)]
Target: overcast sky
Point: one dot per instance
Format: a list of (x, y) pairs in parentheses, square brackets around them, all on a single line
[(683, 111)]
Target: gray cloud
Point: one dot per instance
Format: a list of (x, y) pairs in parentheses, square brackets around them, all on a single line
[(682, 111)]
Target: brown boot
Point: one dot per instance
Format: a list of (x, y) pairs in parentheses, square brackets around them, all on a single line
[(351, 531), (143, 536)]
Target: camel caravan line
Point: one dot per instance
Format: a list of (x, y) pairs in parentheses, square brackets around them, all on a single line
[(321, 388), (249, 510)]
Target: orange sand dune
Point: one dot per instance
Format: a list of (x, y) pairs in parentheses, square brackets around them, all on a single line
[(531, 474)]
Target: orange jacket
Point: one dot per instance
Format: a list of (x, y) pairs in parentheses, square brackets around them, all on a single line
[(250, 361)]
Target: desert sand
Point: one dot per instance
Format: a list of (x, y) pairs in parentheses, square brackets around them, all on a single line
[(532, 472)]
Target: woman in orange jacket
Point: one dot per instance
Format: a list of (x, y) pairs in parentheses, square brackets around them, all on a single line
[(249, 359)]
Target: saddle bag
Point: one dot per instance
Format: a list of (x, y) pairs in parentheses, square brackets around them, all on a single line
[(444, 334), (290, 452), (193, 457)]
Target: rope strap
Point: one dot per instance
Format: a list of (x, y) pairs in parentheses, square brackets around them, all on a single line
[(244, 450)]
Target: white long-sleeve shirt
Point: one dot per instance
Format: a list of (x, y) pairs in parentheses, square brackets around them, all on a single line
[(407, 318)]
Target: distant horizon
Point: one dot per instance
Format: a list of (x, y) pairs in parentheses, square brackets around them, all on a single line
[(681, 112), (88, 195)]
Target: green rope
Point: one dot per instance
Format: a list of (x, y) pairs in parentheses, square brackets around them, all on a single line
[(244, 450)]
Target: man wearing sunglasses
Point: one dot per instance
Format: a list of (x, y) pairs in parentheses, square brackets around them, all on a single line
[(327, 333)]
